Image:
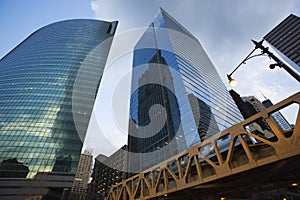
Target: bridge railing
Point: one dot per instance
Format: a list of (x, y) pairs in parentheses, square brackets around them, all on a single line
[(254, 142)]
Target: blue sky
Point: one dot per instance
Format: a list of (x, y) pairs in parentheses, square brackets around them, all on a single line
[(19, 19), (223, 27)]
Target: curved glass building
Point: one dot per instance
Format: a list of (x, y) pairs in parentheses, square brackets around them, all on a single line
[(172, 70), (48, 85)]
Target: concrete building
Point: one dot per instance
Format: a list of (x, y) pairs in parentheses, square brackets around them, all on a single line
[(250, 105), (82, 176), (285, 38), (107, 172)]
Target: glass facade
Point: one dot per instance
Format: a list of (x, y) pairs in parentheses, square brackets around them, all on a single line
[(48, 85), (183, 80)]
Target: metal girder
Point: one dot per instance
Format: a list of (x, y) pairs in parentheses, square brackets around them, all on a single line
[(193, 168)]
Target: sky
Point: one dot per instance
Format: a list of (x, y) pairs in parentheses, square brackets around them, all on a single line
[(224, 28)]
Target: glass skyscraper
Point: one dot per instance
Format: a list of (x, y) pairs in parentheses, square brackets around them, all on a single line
[(48, 85), (177, 97)]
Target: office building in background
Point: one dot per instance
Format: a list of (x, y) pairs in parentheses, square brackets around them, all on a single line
[(250, 105), (277, 117), (48, 85), (177, 97), (285, 39), (281, 122), (82, 175), (107, 171)]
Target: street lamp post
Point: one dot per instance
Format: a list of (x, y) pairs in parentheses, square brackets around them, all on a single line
[(265, 50)]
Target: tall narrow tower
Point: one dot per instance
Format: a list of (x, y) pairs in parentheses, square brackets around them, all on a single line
[(177, 97), (82, 175)]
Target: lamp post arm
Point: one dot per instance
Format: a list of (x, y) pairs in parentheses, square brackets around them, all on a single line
[(284, 66), (258, 45), (243, 61)]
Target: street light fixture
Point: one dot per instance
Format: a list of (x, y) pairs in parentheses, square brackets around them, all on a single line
[(294, 184), (265, 51), (232, 81)]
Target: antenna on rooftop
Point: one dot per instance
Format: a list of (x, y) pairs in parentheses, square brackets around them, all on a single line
[(263, 94)]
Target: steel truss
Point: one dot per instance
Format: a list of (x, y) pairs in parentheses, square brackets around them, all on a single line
[(195, 166)]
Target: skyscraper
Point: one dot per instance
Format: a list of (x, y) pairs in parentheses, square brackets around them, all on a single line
[(107, 172), (48, 85), (177, 97), (285, 38), (250, 105), (82, 175), (277, 117)]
